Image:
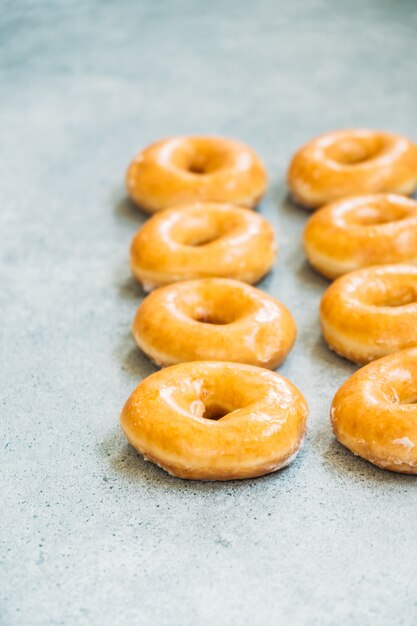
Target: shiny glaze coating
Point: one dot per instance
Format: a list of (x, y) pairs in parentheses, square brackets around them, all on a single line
[(216, 421), (202, 241), (374, 413), (371, 312), (214, 319), (352, 162), (183, 170), (362, 231)]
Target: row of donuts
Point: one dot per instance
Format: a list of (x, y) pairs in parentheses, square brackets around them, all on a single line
[(214, 414), (360, 232), (192, 320), (368, 243)]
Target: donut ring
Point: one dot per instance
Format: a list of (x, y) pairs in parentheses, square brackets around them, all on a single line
[(362, 231), (214, 319), (216, 421), (371, 312), (184, 170), (351, 162), (202, 241), (374, 413)]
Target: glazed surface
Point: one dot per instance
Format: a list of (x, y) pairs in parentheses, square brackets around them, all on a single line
[(352, 162), (371, 312), (202, 241), (183, 170), (374, 413), (362, 231), (216, 421), (214, 319)]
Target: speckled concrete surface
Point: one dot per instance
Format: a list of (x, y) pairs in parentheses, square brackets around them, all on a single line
[(91, 534)]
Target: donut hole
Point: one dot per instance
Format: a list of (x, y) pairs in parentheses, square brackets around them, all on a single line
[(216, 317), (403, 392), (202, 239), (208, 318), (375, 216), (209, 407), (201, 164), (223, 390), (198, 235), (197, 167), (224, 304), (205, 157), (214, 411), (356, 150), (200, 228), (200, 156)]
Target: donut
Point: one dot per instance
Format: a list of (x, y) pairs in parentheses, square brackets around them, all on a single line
[(352, 162), (215, 420), (374, 413), (213, 319), (184, 170), (362, 231), (202, 241), (371, 312)]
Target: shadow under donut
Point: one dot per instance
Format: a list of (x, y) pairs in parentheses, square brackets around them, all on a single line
[(125, 209), (308, 276), (344, 462), (290, 206), (129, 289), (321, 352), (132, 360)]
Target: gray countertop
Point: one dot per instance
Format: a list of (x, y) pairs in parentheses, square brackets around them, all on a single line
[(91, 534)]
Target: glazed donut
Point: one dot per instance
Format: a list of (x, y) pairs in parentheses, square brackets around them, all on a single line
[(202, 241), (362, 231), (351, 162), (183, 170), (374, 413), (214, 319), (216, 421), (371, 312)]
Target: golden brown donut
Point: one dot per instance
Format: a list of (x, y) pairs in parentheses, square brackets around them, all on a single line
[(202, 241), (184, 170), (352, 162), (216, 421), (362, 231), (371, 312), (214, 319), (374, 413)]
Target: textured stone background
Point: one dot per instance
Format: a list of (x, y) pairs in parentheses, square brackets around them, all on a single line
[(91, 533)]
